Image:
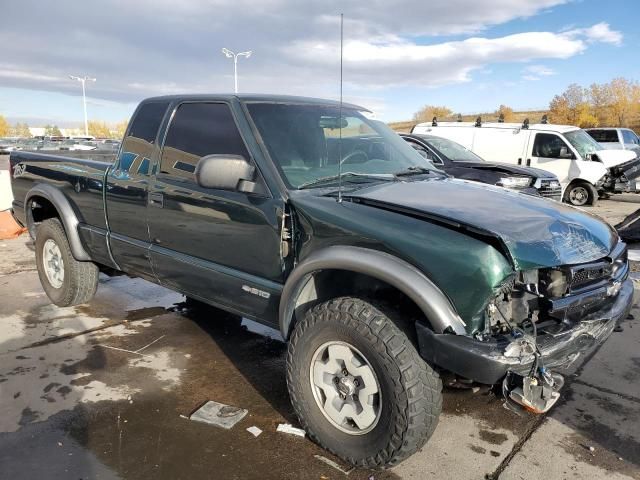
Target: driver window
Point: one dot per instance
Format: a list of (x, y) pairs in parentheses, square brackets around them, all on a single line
[(548, 145)]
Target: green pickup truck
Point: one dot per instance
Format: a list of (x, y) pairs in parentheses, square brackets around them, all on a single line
[(379, 278)]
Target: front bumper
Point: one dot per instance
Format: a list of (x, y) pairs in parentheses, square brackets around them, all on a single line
[(489, 361)]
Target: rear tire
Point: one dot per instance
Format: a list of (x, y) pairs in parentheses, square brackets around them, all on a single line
[(400, 415), (65, 280), (580, 194)]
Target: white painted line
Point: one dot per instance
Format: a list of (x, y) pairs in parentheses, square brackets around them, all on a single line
[(333, 464), (159, 338), (123, 350)]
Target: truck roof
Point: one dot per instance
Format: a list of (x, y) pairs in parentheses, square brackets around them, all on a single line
[(253, 97), (547, 127)]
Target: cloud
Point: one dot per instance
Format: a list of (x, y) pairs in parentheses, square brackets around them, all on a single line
[(150, 47), (598, 33), (535, 72)]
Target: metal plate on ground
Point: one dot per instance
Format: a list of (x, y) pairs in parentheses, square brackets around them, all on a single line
[(218, 414)]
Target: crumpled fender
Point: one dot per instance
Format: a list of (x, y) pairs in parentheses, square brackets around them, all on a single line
[(436, 306)]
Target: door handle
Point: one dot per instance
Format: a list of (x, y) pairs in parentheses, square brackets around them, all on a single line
[(528, 162), (156, 200), (520, 161)]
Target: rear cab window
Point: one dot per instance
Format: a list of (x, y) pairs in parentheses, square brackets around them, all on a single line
[(604, 136), (137, 147)]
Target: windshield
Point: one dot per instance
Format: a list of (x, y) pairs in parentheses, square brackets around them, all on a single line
[(303, 141), (582, 142), (452, 150)]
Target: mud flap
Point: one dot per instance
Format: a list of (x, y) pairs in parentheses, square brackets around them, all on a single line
[(535, 393)]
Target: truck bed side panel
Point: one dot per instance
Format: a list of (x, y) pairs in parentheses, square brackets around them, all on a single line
[(81, 183)]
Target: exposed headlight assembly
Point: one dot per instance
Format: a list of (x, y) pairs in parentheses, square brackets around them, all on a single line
[(514, 182)]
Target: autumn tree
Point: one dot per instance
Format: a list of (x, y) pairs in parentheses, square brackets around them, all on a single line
[(426, 113), (120, 128), (625, 100), (52, 131), (21, 130), (99, 129), (5, 129), (572, 107), (507, 113)]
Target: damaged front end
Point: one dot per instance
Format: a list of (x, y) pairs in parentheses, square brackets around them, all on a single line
[(539, 321)]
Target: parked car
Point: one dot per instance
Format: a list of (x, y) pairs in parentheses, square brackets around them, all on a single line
[(460, 162), (583, 167), (616, 138), (378, 269)]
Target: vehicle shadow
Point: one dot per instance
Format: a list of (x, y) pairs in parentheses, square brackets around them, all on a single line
[(260, 360)]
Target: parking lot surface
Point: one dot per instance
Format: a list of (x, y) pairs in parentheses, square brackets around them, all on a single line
[(105, 390)]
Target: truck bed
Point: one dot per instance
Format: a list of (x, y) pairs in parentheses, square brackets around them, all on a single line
[(80, 180)]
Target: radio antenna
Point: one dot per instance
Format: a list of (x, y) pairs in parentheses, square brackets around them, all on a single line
[(340, 114)]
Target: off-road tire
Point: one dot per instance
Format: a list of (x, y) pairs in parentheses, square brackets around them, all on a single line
[(591, 192), (80, 278), (411, 390)]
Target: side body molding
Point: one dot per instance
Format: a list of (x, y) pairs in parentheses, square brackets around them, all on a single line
[(382, 266), (67, 216)]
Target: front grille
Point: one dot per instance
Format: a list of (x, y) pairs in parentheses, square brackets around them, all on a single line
[(550, 189), (607, 269)]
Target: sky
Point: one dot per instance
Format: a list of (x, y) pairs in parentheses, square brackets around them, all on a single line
[(469, 55)]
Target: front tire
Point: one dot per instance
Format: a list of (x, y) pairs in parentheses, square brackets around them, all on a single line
[(581, 194), (358, 385), (65, 280)]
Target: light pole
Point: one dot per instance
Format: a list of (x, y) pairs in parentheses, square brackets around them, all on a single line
[(83, 80), (229, 54)]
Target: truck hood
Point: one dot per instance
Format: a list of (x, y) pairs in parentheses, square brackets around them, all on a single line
[(535, 232), (508, 168), (613, 158)]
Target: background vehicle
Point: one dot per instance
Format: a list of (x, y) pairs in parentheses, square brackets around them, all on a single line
[(377, 277), (615, 138), (582, 166), (460, 162)]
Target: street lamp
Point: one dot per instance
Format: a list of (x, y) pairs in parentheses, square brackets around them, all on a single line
[(83, 80), (229, 54)]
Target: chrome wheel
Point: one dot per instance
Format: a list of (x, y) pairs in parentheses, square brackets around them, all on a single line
[(52, 263), (578, 196), (345, 388)]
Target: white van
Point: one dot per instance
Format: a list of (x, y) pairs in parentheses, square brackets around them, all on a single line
[(582, 166)]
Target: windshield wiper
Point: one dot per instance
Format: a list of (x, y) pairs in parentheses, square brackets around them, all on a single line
[(333, 178), (416, 170)]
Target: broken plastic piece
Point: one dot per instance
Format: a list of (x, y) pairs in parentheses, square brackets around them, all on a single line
[(218, 414), (536, 394), (255, 431), (288, 428)]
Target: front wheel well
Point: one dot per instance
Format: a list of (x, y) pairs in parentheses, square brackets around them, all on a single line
[(327, 284)]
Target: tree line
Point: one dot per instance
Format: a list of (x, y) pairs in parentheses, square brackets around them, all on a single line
[(612, 104), (96, 129)]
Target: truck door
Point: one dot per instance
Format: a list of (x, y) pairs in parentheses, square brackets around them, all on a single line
[(127, 185), (550, 152), (222, 247)]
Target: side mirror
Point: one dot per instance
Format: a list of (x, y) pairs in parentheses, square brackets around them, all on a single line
[(225, 172)]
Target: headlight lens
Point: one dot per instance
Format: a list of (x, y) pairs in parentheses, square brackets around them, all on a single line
[(515, 182)]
